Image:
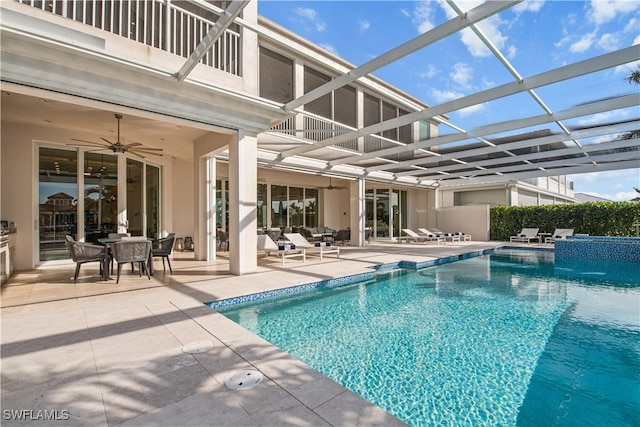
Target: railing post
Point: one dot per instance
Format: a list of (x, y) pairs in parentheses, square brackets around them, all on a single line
[(167, 27)]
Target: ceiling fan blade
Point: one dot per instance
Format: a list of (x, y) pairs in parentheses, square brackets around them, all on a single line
[(133, 144), (140, 152), (148, 149), (107, 141), (136, 154), (87, 142)]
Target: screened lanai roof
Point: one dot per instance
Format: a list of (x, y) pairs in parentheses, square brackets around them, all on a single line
[(544, 140)]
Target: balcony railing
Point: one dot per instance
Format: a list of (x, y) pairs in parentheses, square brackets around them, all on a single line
[(316, 128), (173, 27)]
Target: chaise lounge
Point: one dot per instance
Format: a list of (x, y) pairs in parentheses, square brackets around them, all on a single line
[(559, 234), (322, 247), (284, 251), (526, 235), (415, 237), (457, 236)]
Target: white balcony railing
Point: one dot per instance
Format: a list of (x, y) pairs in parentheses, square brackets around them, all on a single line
[(174, 27), (316, 128)]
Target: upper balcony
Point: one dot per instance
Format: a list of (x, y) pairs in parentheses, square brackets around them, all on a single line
[(174, 27)]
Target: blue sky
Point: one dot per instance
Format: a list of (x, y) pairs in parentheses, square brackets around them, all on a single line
[(534, 36)]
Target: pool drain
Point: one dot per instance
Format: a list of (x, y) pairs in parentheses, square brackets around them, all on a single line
[(197, 347), (244, 380)]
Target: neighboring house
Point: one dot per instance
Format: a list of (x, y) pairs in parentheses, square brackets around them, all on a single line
[(584, 197)]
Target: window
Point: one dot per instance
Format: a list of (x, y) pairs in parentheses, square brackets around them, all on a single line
[(322, 105), (276, 76)]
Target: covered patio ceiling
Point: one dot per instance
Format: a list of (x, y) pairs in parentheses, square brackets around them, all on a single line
[(542, 143)]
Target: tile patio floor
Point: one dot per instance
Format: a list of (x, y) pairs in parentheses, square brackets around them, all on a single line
[(112, 354)]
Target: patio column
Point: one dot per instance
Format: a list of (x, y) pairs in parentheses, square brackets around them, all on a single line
[(243, 222), (357, 208)]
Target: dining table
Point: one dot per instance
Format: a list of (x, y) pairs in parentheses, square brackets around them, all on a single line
[(106, 242)]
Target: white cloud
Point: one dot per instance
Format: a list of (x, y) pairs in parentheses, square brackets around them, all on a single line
[(431, 72), (423, 17), (330, 48), (603, 11), (312, 15), (608, 42), (598, 118), (632, 26), (468, 111), (307, 12), (585, 42), (364, 25), (490, 27), (529, 6), (614, 185), (445, 95), (462, 74)]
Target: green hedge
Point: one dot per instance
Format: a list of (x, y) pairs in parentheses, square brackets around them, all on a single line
[(595, 219)]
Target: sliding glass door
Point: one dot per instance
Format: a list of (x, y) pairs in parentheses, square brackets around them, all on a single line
[(78, 196), (58, 201), (100, 195), (385, 212)]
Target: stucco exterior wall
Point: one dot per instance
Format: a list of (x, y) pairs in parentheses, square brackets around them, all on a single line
[(473, 220), (19, 191)]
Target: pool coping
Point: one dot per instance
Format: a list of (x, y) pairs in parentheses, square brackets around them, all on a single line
[(358, 277)]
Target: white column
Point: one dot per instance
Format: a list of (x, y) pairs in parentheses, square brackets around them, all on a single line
[(210, 217), (357, 208), (243, 223), (202, 208)]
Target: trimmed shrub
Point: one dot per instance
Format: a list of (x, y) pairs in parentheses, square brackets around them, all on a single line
[(593, 218)]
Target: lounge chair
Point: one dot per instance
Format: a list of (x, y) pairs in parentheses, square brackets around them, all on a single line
[(440, 234), (423, 232), (455, 236), (415, 237), (526, 235), (559, 234), (284, 251), (322, 247)]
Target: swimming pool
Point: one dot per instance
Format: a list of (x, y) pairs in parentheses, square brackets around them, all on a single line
[(499, 339)]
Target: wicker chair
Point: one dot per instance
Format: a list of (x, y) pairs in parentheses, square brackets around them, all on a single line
[(133, 251), (163, 248), (221, 237), (82, 253)]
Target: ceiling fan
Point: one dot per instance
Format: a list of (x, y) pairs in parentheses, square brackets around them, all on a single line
[(134, 148), (333, 187)]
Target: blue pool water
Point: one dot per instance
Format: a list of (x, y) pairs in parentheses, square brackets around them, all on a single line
[(502, 339)]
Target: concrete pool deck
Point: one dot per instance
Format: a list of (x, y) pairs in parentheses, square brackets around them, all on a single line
[(100, 354)]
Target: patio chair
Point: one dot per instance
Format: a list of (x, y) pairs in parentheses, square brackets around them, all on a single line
[(222, 239), (284, 250), (559, 234), (274, 233), (343, 235), (322, 247), (163, 248), (526, 235), (82, 253), (134, 251)]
